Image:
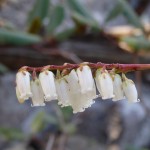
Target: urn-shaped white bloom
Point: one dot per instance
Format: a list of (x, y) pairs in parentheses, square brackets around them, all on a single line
[(130, 89), (87, 84), (62, 88), (117, 87), (86, 80), (78, 100), (104, 84), (48, 85), (23, 89), (37, 93)]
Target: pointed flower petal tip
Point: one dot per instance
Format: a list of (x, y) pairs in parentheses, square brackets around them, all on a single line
[(18, 96), (37, 105), (50, 98), (23, 88), (117, 88), (130, 90), (77, 111), (47, 82), (104, 84)]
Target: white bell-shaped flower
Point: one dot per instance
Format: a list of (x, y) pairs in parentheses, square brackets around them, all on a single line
[(129, 89), (23, 89), (117, 87), (78, 100), (104, 84), (48, 85), (86, 80), (62, 88), (38, 95), (87, 83)]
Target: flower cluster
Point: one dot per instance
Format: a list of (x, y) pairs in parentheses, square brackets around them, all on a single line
[(76, 89)]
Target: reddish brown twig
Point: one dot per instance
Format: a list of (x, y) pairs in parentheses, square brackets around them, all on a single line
[(118, 67)]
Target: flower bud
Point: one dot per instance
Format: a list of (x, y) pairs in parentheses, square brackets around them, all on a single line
[(104, 84), (117, 87), (23, 89), (130, 89), (48, 85), (38, 95)]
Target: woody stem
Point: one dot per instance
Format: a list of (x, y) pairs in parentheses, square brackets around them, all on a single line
[(118, 67)]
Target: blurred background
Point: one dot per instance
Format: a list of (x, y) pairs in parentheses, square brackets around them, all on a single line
[(42, 32)]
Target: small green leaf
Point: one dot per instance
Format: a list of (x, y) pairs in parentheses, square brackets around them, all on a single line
[(17, 38), (56, 18), (122, 7), (37, 15), (67, 112), (86, 21), (130, 15), (81, 14), (115, 12), (77, 7), (40, 10)]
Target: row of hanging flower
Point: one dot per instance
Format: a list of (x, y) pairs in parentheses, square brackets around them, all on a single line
[(76, 89)]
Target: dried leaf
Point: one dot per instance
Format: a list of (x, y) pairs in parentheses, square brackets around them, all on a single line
[(137, 43)]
